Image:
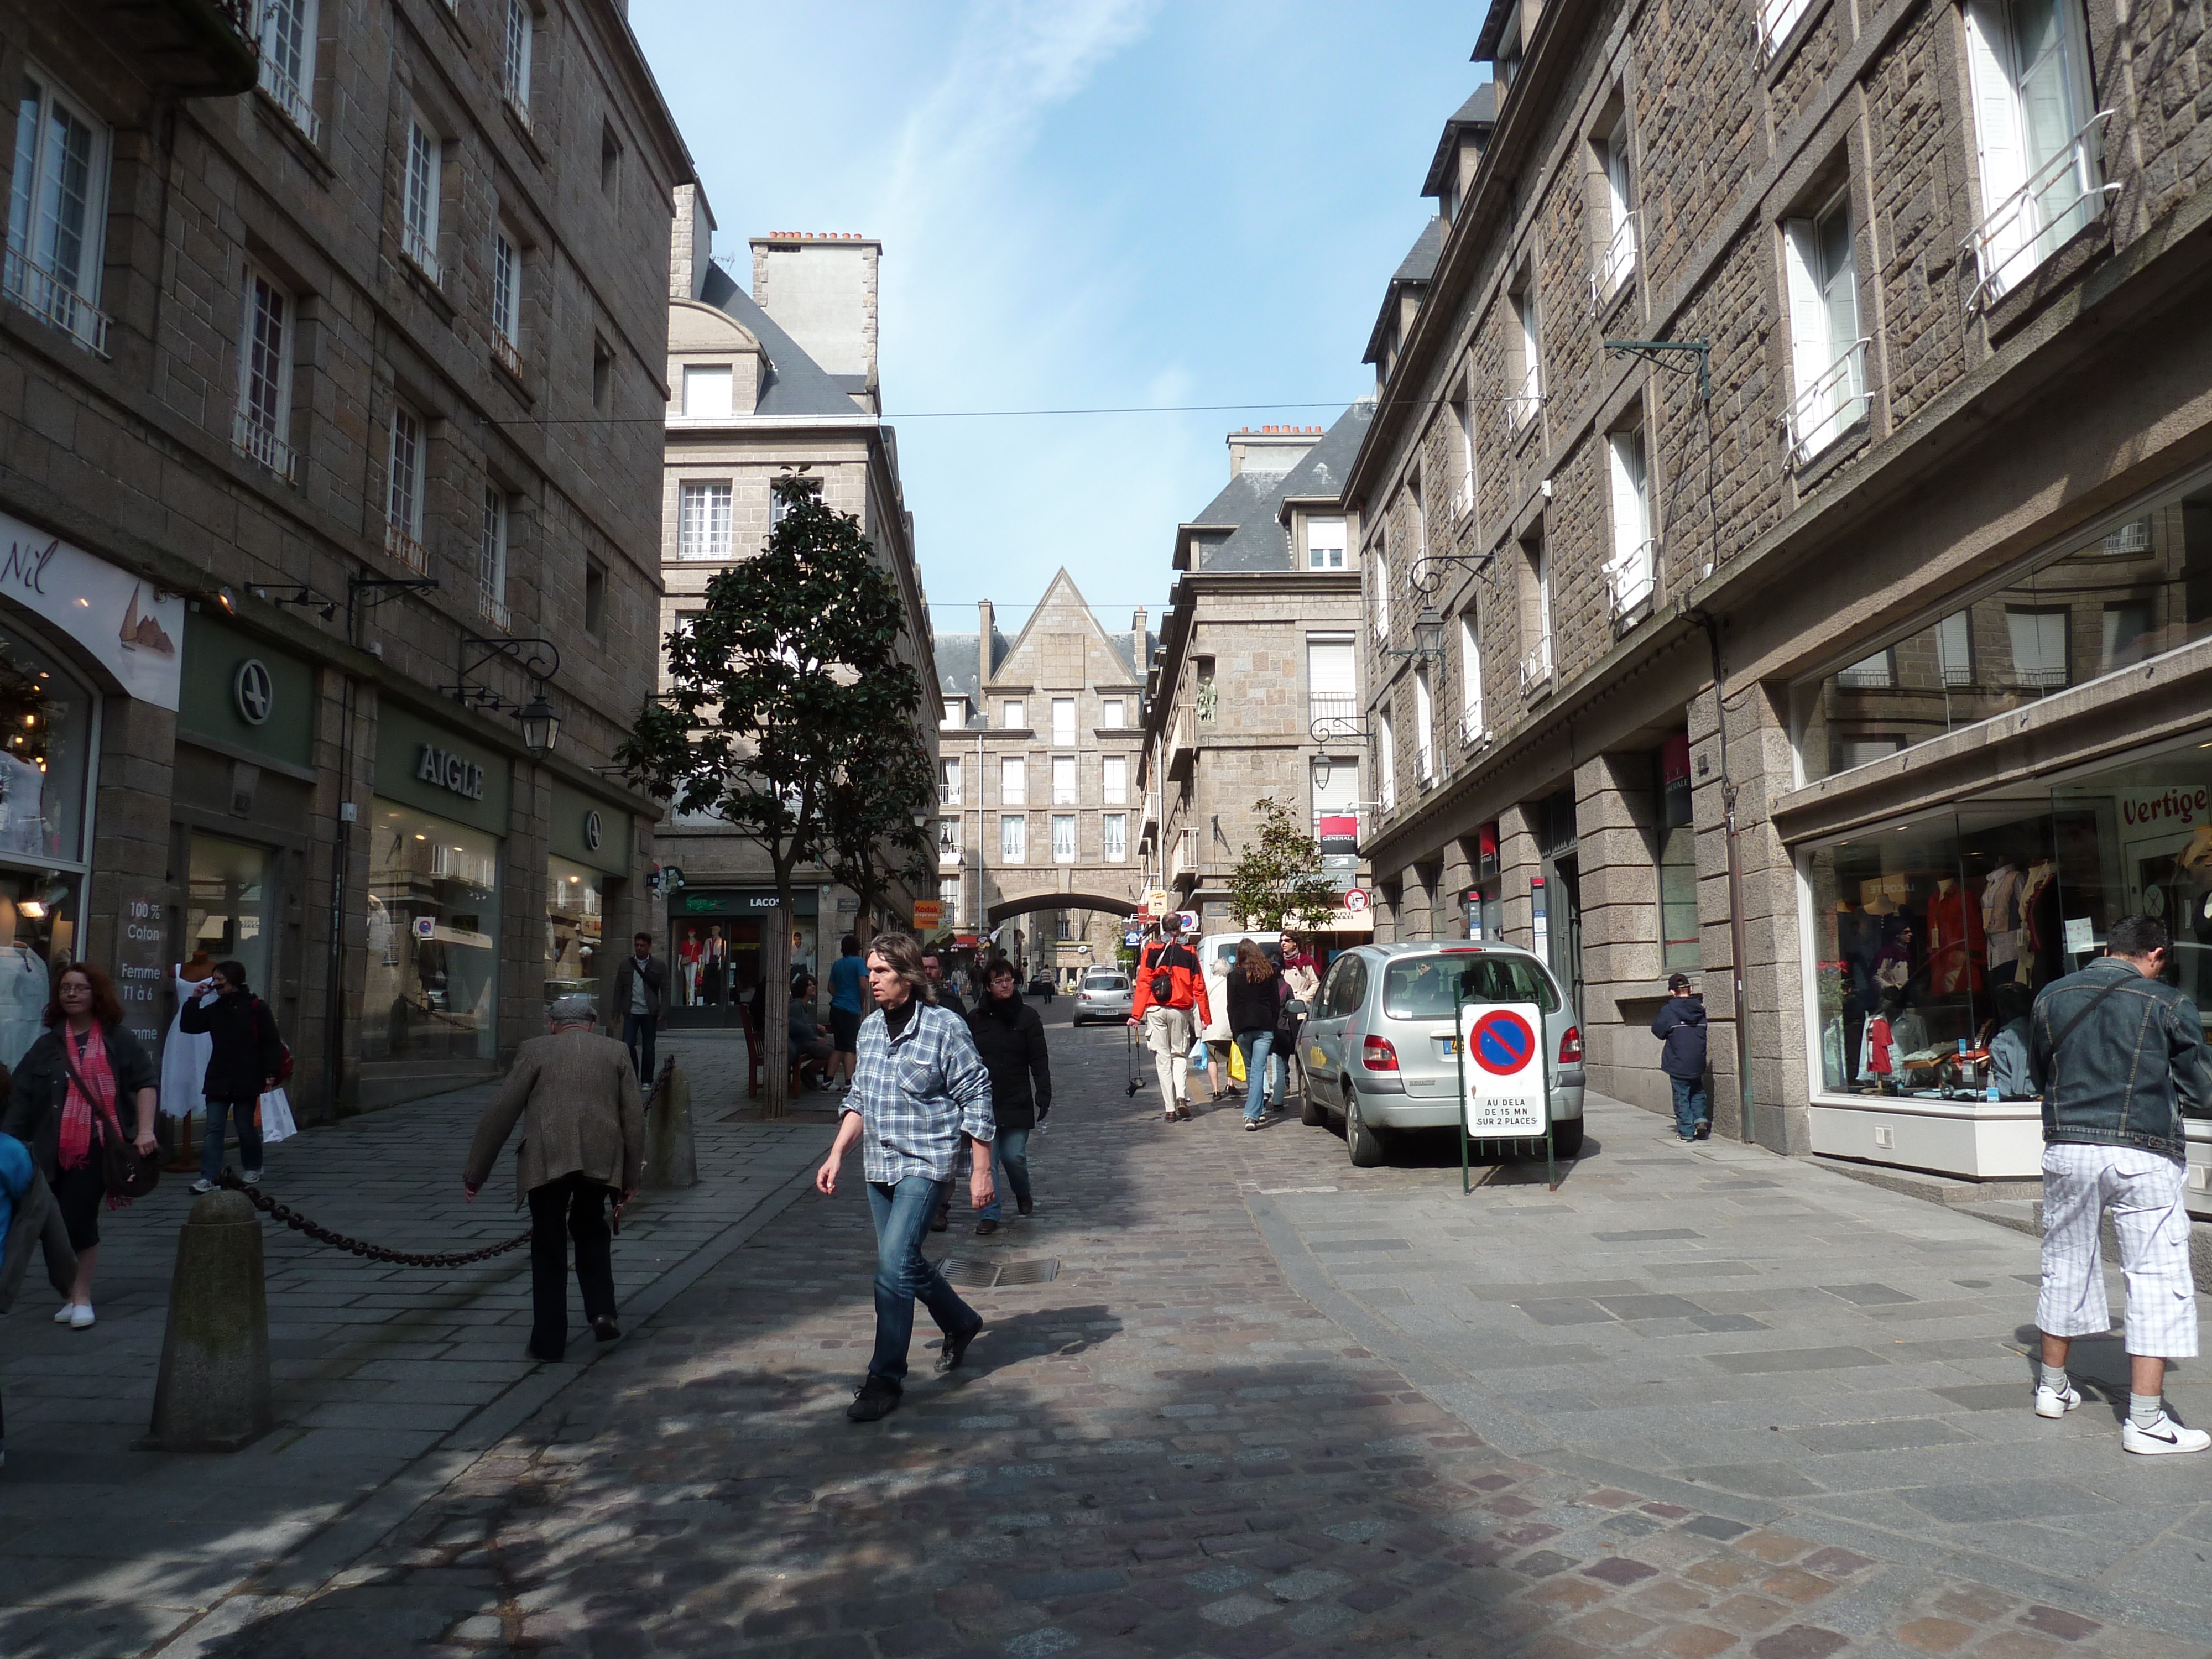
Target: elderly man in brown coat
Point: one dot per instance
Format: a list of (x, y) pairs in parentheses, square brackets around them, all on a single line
[(583, 1139)]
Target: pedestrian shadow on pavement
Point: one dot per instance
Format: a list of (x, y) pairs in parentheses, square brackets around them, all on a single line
[(1040, 1334), (2098, 1365)]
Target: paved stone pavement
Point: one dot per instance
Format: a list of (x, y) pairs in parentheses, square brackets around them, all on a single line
[(1700, 1401), (387, 1380)]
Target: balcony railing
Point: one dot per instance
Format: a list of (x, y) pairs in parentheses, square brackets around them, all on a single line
[(1615, 263), (2031, 224), (506, 353), (520, 104), (1776, 19), (46, 297), (405, 549), (1462, 499), (1472, 731), (1389, 793), (493, 609), (1522, 406), (1631, 577), (1182, 859), (419, 253), (1332, 715), (286, 94), (1834, 403), (1956, 674), (1536, 666), (259, 443)]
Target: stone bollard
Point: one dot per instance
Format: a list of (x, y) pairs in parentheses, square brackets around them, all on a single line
[(213, 1393), (671, 1155)]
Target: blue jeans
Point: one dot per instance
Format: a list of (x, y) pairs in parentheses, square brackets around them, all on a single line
[(1255, 1046), (1010, 1166), (249, 1136), (902, 1210), (1691, 1107)]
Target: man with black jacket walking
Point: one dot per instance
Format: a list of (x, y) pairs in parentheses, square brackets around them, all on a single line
[(2120, 1056), (245, 1053), (640, 984), (1009, 1037), (1680, 1024)]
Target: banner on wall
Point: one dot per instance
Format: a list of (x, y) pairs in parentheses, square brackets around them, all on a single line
[(133, 629)]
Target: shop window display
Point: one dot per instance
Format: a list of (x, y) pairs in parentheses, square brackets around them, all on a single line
[(573, 901), (46, 745), (2089, 608), (433, 983), (228, 915), (1933, 936)]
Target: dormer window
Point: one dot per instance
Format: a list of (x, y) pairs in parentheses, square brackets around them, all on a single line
[(1506, 67), (707, 390), (955, 712)]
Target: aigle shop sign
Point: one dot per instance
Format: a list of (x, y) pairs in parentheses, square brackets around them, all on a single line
[(449, 771)]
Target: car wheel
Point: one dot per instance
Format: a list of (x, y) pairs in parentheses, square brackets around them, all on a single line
[(1361, 1144), (1567, 1137), (1316, 1114)]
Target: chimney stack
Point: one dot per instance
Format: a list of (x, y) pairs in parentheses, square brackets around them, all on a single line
[(985, 626), (820, 287), (692, 242), (1136, 638)]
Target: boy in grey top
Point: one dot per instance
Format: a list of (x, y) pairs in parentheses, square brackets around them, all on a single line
[(2118, 1055)]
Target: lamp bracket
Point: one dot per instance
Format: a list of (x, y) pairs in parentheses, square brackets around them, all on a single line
[(1653, 352), (297, 593), (1337, 728), (1427, 577), (538, 659), (362, 591)]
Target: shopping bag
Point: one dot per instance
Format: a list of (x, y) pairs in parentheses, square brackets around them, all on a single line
[(1198, 1055), (275, 1111), (1237, 1062)]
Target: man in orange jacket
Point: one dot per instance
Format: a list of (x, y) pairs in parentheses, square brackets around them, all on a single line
[(1170, 985)]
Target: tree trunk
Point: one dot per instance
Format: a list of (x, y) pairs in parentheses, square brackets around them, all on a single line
[(775, 1007)]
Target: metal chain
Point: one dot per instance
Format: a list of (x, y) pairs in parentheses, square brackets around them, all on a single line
[(322, 1235)]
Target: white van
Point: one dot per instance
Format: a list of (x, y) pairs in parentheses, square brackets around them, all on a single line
[(1216, 952)]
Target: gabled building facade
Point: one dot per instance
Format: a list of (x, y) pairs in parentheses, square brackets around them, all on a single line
[(749, 401), (1040, 773), (1801, 439), (1254, 690)]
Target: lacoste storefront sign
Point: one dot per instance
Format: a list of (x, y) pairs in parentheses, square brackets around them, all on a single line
[(450, 771)]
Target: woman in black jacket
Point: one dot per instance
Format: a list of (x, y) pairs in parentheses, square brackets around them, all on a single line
[(69, 1084), (243, 1060), (1256, 994), (1009, 1037)]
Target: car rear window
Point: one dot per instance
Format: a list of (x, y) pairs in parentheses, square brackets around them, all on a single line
[(1225, 951), (1105, 982), (1420, 988)]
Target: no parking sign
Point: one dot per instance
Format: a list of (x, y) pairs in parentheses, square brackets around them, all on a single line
[(1506, 1098)]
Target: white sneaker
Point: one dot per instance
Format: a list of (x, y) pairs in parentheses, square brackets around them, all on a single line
[(202, 1185), (2049, 1403), (2162, 1436), (80, 1320), (68, 1311), (252, 1177)]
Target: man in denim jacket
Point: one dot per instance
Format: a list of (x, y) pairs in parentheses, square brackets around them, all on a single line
[(2120, 1056)]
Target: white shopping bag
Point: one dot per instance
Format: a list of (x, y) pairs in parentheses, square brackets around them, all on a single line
[(276, 1114)]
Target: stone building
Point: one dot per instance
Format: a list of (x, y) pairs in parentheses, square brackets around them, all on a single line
[(778, 382), (1253, 691), (332, 355), (1040, 764), (1848, 648)]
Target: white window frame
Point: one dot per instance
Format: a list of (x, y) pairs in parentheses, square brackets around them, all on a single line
[(1382, 601), (1065, 839), (420, 199), (1633, 571), (65, 293), (286, 33), (1063, 722), (491, 558), (948, 780), (1066, 787), (1014, 838), (1338, 704), (261, 425), (1470, 728), (1114, 779), (1114, 838), (1776, 19), (1954, 649), (704, 511), (954, 714), (1013, 769), (519, 36), (1617, 260), (2031, 203), (1328, 551), (1462, 419), (1524, 400), (1014, 715), (1828, 354), (507, 300), (709, 392), (1386, 763), (1114, 714), (405, 475), (1425, 725)]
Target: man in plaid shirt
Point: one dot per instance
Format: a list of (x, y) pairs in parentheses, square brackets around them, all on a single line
[(920, 1095)]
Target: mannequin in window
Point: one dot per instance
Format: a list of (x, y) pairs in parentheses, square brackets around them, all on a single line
[(1956, 943), (2001, 893)]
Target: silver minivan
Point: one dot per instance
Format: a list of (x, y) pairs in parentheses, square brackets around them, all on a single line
[(1380, 1049)]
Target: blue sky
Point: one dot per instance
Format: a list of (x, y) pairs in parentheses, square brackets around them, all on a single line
[(1084, 203)]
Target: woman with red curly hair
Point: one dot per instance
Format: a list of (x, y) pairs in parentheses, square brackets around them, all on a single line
[(71, 1092)]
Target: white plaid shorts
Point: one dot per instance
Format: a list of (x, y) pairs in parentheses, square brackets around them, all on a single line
[(2142, 1190)]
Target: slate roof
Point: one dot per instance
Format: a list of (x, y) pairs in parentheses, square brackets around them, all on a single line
[(959, 667), (1420, 261), (1480, 114), (792, 383), (1261, 541)]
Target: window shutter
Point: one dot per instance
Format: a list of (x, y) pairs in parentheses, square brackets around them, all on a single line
[(1991, 75), (1630, 528), (1808, 326)]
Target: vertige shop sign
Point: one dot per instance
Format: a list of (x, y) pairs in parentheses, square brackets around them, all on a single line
[(450, 771)]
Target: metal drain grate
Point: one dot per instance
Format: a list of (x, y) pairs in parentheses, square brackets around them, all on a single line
[(980, 1275)]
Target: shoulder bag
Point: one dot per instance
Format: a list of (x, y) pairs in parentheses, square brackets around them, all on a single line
[(124, 1171)]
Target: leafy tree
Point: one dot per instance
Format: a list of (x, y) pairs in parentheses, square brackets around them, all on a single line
[(873, 840), (786, 692), (1277, 879)]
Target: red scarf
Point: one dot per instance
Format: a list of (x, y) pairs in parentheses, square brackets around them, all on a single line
[(80, 1116)]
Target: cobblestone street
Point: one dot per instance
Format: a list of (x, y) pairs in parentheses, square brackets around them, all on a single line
[(1699, 1401)]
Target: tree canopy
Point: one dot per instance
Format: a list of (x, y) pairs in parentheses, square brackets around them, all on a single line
[(1278, 879)]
